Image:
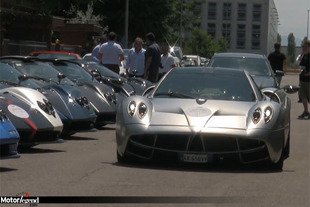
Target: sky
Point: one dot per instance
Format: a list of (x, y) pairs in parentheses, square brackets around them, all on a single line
[(293, 17)]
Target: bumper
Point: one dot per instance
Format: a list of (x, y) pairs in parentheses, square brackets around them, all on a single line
[(40, 136), (151, 142), (9, 150)]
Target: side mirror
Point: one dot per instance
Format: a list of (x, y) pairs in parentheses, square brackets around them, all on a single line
[(290, 89), (279, 73), (60, 76), (95, 74), (148, 90), (23, 78)]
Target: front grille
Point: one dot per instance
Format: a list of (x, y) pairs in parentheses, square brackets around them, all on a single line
[(39, 136), (78, 125), (161, 145), (106, 118), (172, 142), (220, 144)]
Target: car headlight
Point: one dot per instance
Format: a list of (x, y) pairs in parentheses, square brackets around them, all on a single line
[(47, 107), (142, 110), (267, 114), (256, 115), (82, 101), (132, 108), (110, 97)]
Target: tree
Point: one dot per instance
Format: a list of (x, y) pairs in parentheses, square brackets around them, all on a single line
[(291, 48), (279, 38), (204, 45)]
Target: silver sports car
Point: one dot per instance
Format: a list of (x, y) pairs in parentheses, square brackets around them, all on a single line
[(202, 115)]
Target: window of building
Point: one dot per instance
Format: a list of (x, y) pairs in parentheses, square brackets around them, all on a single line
[(257, 12), (226, 32), (211, 10), (241, 12), (211, 29), (240, 36), (256, 33), (226, 11)]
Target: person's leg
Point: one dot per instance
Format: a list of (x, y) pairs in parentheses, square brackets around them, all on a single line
[(304, 93)]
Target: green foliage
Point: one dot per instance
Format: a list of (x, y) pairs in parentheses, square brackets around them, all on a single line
[(291, 48), (279, 38), (204, 45)]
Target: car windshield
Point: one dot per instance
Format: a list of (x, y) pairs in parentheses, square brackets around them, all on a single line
[(102, 70), (41, 70), (73, 71), (255, 66), (57, 56), (10, 76), (205, 84)]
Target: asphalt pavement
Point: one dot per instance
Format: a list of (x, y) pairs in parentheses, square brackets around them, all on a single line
[(85, 165)]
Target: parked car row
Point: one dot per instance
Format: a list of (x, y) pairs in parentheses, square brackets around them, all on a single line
[(234, 109), (48, 99)]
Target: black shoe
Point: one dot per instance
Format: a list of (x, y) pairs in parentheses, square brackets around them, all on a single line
[(304, 115)]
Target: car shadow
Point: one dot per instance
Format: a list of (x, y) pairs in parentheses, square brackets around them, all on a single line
[(5, 169), (79, 138), (38, 151), (210, 168), (106, 128)]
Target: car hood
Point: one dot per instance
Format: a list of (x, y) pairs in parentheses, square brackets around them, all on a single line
[(212, 113)]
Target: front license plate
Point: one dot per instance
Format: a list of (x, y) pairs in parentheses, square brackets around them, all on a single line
[(194, 158)]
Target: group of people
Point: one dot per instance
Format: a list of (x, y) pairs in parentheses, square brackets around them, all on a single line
[(154, 62), (150, 63), (277, 60)]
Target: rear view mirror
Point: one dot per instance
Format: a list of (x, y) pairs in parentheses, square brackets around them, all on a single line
[(290, 89), (60, 76), (279, 73)]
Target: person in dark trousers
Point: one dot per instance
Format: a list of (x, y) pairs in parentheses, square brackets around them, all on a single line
[(276, 60), (304, 79), (111, 54), (152, 59)]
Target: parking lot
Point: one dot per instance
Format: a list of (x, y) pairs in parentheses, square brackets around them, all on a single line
[(86, 165)]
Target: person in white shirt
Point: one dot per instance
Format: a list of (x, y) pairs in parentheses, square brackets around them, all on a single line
[(135, 60), (95, 51), (167, 61), (111, 54)]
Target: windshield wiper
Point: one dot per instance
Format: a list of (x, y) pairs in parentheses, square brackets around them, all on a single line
[(174, 94), (42, 79), (9, 83)]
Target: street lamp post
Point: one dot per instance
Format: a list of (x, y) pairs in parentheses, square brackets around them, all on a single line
[(126, 23), (308, 24)]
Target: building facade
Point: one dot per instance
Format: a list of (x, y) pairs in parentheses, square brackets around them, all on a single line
[(248, 25)]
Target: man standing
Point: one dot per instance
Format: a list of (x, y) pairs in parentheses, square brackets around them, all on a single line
[(152, 59), (304, 79), (167, 61), (276, 60), (95, 51), (111, 54), (135, 60)]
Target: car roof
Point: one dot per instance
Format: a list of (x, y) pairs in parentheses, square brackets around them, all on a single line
[(215, 70), (53, 52), (237, 54)]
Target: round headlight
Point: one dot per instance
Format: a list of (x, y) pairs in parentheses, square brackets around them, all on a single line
[(142, 110), (256, 115), (267, 114), (131, 108)]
